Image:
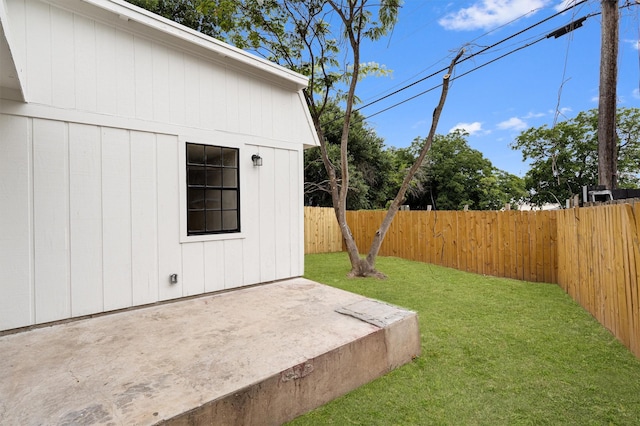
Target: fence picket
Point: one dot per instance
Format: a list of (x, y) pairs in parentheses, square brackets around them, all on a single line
[(592, 253)]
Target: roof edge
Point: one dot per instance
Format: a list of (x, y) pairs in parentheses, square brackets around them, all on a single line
[(127, 11), (309, 122), (17, 73)]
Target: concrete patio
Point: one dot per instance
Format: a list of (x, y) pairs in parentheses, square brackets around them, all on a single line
[(255, 356)]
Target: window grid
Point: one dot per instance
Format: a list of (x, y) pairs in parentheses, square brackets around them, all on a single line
[(213, 194)]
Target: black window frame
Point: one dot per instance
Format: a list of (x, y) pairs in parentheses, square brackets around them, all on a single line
[(212, 189)]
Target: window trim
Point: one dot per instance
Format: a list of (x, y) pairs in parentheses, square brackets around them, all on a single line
[(182, 184)]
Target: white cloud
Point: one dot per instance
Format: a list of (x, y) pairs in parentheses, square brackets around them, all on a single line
[(634, 43), (514, 123), (534, 115), (636, 93), (471, 128), (564, 4), (488, 14)]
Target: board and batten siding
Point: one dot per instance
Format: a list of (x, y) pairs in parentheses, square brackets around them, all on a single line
[(93, 225), (76, 63), (91, 177)]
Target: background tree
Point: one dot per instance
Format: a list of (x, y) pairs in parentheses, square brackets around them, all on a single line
[(628, 147), (373, 176), (303, 36), (456, 175), (235, 22), (565, 157), (330, 56), (512, 188)]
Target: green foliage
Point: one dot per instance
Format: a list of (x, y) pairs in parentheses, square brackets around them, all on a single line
[(322, 38), (373, 177), (302, 35), (314, 37), (455, 175), (565, 157), (494, 352), (628, 132), (228, 20)]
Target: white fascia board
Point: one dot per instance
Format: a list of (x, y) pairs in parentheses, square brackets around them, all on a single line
[(14, 71), (127, 11), (311, 127)]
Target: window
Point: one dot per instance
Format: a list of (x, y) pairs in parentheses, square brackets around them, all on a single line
[(213, 194)]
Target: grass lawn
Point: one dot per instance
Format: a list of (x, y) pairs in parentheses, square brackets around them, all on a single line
[(494, 351)]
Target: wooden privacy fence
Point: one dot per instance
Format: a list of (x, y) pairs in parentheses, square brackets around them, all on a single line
[(599, 266), (592, 253), (321, 231), (510, 244)]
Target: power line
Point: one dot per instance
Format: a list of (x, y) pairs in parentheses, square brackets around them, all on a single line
[(441, 60), (557, 33), (457, 77), (469, 57), (544, 37)]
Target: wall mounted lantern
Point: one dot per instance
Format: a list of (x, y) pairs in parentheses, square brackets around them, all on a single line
[(257, 160)]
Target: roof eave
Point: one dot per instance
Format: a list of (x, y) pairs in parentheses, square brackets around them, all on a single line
[(11, 74), (129, 12)]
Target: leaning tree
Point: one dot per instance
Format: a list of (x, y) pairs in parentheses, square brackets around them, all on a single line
[(299, 35)]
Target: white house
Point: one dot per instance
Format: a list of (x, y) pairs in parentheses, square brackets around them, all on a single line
[(126, 173)]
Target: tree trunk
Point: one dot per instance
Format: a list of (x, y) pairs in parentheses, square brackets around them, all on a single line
[(366, 267), (397, 201), (607, 141), (341, 206), (353, 18)]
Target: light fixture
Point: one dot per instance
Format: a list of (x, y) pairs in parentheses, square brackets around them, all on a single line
[(257, 160)]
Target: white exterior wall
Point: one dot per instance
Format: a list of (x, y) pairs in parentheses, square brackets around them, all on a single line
[(92, 170)]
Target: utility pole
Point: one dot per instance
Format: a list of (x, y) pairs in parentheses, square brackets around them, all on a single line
[(607, 138)]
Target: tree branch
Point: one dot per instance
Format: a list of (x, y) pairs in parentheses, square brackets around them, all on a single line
[(395, 205)]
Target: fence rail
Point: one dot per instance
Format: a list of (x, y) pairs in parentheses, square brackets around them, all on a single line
[(592, 253), (510, 244)]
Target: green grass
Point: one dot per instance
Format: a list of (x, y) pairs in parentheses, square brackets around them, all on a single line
[(494, 351)]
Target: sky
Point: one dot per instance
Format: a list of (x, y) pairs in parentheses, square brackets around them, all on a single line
[(547, 82)]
